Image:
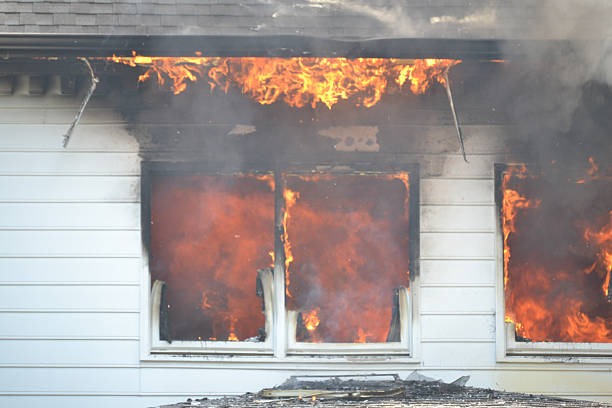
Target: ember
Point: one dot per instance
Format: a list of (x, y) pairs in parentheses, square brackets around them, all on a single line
[(558, 256), (348, 236), (298, 82)]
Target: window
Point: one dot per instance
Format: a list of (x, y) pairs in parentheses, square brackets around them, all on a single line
[(320, 257), (556, 235)]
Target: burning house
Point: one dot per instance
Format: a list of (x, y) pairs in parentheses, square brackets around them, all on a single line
[(205, 199)]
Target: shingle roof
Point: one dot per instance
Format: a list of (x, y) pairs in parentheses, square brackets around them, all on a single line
[(329, 18)]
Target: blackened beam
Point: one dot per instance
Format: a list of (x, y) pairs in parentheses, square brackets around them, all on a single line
[(40, 45), (60, 66)]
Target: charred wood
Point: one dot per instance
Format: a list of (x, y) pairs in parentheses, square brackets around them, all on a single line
[(164, 317), (395, 328), (259, 291)]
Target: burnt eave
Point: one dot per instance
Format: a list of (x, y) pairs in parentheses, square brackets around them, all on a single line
[(59, 45)]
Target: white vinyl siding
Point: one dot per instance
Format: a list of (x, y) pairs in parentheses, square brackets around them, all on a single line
[(72, 277)]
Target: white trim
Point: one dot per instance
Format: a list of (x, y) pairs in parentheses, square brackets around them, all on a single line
[(508, 350), (401, 347), (514, 347), (214, 347)]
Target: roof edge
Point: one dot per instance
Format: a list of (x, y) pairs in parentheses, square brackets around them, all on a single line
[(60, 45)]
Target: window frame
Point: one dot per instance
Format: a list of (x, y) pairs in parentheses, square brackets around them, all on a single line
[(277, 343), (507, 348)]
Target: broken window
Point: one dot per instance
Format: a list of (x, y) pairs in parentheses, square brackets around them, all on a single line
[(343, 251), (346, 237), (210, 235), (557, 257)]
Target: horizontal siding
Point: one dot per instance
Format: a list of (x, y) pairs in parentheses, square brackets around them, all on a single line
[(71, 271), (78, 298), (89, 400), (69, 189), (457, 245), (66, 270), (457, 218), (457, 272), (458, 354), (67, 243), (68, 352), (58, 115), (68, 325), (74, 379), (61, 163), (561, 382), (49, 137), (220, 380), (453, 300), (70, 215), (457, 192), (436, 328)]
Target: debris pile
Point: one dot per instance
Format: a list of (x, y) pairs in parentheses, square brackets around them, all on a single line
[(358, 391)]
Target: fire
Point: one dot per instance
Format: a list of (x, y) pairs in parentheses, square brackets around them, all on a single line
[(290, 199), (348, 236), (180, 70), (603, 240), (298, 81), (512, 202), (311, 320), (209, 235), (557, 279), (592, 172)]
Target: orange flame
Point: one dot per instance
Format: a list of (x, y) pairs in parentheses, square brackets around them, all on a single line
[(593, 172), (209, 235), (311, 320), (603, 239), (290, 199), (512, 203), (552, 299), (349, 239), (297, 81)]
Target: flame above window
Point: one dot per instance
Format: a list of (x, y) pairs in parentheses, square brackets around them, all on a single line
[(298, 81), (558, 255)]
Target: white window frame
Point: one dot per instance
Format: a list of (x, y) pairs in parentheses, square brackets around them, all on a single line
[(280, 323), (510, 350)]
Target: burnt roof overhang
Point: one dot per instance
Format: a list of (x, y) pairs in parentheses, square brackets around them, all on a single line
[(58, 45)]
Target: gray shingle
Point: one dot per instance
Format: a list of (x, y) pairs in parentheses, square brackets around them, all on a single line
[(229, 10), (150, 20), (120, 8), (35, 19), (85, 19), (104, 8), (106, 20), (64, 19), (11, 6), (255, 16), (77, 29), (9, 19), (48, 7), (14, 29)]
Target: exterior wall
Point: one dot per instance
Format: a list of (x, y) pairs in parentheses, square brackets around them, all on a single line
[(72, 282)]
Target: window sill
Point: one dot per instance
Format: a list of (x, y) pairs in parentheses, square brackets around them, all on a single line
[(548, 352)]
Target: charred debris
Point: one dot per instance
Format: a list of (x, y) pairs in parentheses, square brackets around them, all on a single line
[(380, 390)]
